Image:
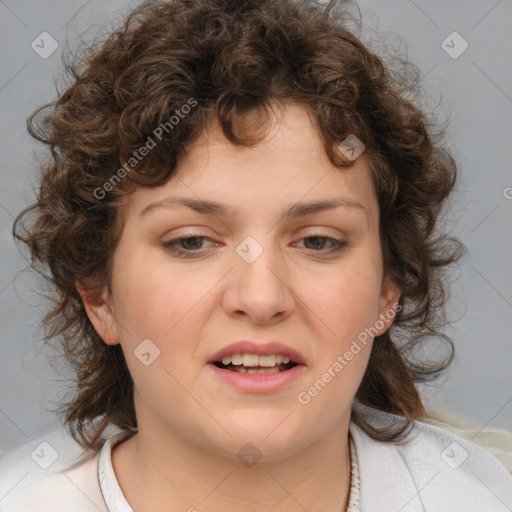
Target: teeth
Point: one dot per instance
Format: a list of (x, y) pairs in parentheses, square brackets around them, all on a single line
[(266, 370), (235, 359), (251, 360), (254, 370)]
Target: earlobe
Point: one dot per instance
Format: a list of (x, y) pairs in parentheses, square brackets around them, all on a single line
[(100, 313)]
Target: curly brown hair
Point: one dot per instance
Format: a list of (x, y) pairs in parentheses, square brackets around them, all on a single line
[(233, 58)]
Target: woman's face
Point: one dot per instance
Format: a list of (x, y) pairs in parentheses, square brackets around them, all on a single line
[(252, 274)]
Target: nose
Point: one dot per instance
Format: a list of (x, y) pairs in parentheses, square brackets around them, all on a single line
[(259, 289)]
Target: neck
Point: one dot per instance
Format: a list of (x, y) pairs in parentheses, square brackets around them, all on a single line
[(157, 468)]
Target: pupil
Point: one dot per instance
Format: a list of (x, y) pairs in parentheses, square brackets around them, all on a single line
[(194, 246), (317, 239)]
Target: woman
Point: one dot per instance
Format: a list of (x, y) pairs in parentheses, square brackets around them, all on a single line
[(240, 221)]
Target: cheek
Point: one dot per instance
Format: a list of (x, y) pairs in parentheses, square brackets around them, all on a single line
[(160, 302), (346, 300), (155, 301), (149, 297)]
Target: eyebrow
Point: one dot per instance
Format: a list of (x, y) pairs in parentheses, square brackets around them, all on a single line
[(300, 209)]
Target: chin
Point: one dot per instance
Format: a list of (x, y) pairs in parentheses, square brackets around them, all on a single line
[(269, 437)]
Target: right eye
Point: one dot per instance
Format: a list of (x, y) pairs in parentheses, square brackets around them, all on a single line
[(186, 246)]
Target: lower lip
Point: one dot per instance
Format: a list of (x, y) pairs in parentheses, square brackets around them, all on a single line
[(259, 382)]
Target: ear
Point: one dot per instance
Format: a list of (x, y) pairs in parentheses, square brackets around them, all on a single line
[(388, 305), (100, 313)]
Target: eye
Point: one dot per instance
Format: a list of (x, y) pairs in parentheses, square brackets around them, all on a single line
[(187, 245), (192, 245), (318, 242)]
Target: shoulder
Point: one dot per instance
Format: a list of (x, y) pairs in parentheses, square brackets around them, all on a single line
[(432, 470), (495, 440), (51, 473)]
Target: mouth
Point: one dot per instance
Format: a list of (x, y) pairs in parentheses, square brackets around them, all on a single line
[(257, 367), (253, 364)]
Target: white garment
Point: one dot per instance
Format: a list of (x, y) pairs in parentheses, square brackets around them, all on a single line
[(435, 471), (354, 496)]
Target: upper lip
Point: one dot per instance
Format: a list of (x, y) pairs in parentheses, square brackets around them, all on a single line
[(258, 348)]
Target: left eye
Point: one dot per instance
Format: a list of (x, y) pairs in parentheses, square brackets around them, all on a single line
[(193, 244), (337, 245)]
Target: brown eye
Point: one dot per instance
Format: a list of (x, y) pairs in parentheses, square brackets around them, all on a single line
[(193, 242), (187, 245), (317, 244)]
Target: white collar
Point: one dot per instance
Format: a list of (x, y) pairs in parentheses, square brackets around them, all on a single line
[(411, 477), (116, 501)]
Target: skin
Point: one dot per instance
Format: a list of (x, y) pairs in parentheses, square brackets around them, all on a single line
[(191, 425)]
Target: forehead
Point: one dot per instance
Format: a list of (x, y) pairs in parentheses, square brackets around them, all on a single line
[(288, 166)]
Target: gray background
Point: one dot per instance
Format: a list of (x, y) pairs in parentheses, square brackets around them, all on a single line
[(474, 91)]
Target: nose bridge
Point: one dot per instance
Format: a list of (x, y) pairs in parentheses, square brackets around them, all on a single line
[(259, 287), (258, 255)]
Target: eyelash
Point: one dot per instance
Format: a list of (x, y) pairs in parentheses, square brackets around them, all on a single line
[(172, 245)]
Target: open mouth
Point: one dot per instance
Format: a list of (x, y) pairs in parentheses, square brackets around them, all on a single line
[(240, 368), (258, 373)]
